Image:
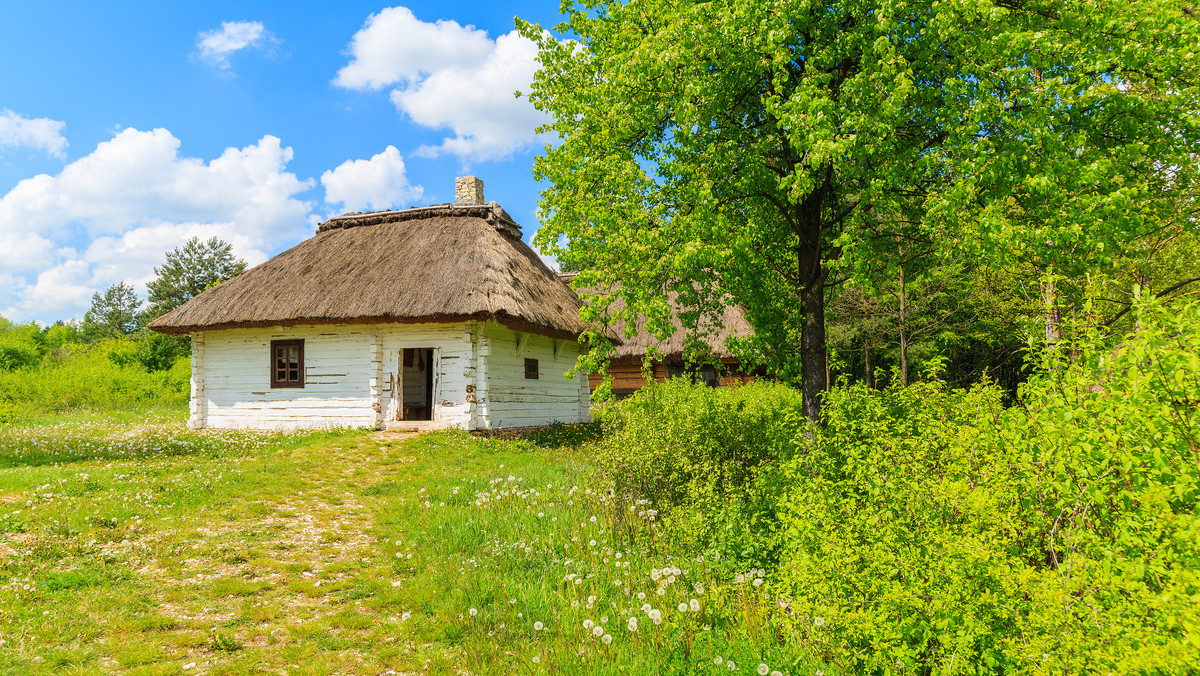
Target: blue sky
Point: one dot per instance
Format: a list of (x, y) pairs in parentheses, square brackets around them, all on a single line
[(126, 130)]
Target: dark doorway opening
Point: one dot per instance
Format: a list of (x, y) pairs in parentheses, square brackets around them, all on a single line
[(417, 395)]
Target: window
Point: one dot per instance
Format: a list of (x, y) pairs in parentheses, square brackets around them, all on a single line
[(287, 363), (531, 369)]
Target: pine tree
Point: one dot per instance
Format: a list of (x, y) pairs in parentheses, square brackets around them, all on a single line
[(189, 270)]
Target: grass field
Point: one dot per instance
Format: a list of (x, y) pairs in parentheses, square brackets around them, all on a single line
[(130, 545)]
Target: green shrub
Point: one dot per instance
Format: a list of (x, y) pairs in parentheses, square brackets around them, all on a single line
[(704, 457), (931, 529), (88, 377), (20, 346)]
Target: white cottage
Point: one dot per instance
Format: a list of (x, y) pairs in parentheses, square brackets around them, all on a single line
[(423, 318)]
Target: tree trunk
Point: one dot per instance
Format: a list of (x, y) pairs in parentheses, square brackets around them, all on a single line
[(870, 369), (903, 331), (1053, 314), (812, 346)]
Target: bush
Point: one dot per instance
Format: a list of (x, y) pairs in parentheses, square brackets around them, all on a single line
[(20, 346), (704, 457), (933, 529)]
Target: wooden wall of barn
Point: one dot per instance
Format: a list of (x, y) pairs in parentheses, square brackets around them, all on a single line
[(508, 399)]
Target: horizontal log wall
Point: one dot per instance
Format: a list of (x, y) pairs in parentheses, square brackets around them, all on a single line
[(453, 366), (232, 379), (508, 399)]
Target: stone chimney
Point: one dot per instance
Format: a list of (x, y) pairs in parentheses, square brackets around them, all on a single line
[(468, 190)]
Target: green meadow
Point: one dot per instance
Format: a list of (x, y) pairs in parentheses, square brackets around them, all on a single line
[(143, 548)]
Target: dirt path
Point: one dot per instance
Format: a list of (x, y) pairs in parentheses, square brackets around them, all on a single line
[(280, 565)]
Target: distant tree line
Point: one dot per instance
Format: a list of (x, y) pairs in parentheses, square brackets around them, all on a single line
[(117, 313)]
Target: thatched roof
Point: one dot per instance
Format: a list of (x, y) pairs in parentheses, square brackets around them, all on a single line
[(440, 263), (733, 323)]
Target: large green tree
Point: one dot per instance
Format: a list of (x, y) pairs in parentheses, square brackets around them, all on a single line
[(735, 151), (189, 270)]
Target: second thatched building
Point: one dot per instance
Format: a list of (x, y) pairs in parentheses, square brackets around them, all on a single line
[(428, 317)]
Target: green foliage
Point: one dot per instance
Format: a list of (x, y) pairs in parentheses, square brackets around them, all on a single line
[(933, 529), (743, 151), (106, 376), (21, 346), (189, 270), (704, 457), (115, 313), (59, 335)]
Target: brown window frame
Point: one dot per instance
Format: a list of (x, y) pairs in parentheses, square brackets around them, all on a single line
[(531, 374), (274, 370)]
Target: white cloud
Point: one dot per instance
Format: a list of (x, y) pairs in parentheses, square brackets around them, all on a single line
[(216, 46), (377, 183), (41, 133), (394, 46), (448, 76), (112, 215)]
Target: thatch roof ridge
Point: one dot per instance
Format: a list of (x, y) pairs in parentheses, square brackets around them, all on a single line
[(492, 212), (440, 263)]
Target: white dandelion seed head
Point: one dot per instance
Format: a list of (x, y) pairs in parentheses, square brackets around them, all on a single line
[(606, 639), (718, 660), (597, 631), (763, 669), (819, 621), (588, 624), (641, 596), (537, 626), (694, 605), (683, 607), (731, 665), (472, 612), (632, 624), (757, 582)]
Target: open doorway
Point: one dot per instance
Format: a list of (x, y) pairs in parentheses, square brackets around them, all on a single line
[(416, 367)]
